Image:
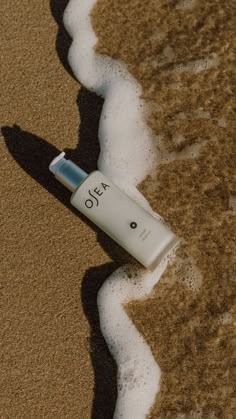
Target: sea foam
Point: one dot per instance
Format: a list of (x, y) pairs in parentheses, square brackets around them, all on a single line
[(127, 155)]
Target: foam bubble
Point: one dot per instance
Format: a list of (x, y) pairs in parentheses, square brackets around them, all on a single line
[(186, 272)]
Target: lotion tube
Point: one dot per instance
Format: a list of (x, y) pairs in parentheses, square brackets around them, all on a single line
[(131, 226)]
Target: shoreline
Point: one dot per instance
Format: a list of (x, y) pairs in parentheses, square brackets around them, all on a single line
[(191, 113)]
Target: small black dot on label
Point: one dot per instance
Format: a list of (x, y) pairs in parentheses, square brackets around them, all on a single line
[(133, 224)]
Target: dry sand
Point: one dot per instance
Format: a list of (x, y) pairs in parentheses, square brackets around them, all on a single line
[(192, 334), (53, 359)]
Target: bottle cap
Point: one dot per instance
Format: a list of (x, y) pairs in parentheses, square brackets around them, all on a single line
[(68, 173)]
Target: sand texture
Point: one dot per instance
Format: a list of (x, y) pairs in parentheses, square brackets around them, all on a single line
[(53, 359), (181, 52)]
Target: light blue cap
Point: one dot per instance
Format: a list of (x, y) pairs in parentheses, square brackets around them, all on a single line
[(68, 173)]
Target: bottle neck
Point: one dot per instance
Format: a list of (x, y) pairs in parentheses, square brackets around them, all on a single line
[(68, 173)]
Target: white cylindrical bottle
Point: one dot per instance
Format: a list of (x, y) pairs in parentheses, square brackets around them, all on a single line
[(131, 226)]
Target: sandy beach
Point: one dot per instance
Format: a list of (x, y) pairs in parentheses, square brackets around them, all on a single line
[(54, 361)]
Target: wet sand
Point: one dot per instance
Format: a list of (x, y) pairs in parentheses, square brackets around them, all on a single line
[(182, 55)]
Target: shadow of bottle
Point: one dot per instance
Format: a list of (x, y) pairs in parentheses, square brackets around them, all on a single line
[(63, 39), (33, 154)]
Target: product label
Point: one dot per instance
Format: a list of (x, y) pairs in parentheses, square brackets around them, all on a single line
[(126, 222), (144, 234)]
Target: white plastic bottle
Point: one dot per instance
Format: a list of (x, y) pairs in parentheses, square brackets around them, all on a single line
[(130, 225)]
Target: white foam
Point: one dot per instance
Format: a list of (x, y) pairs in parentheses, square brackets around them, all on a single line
[(124, 137), (186, 272), (197, 66), (138, 373), (127, 155), (186, 4)]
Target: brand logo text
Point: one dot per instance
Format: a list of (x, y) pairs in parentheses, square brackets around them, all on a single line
[(89, 203)]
